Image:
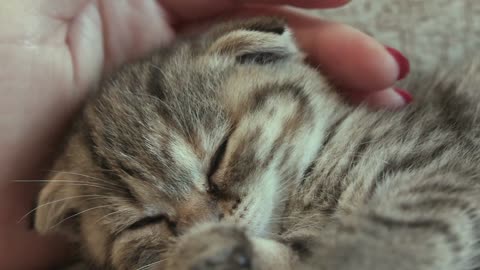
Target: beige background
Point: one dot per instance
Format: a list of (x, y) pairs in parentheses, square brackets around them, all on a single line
[(432, 33)]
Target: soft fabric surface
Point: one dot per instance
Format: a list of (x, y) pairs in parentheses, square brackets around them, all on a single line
[(432, 33)]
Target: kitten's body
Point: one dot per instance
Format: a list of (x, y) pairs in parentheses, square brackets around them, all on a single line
[(225, 151)]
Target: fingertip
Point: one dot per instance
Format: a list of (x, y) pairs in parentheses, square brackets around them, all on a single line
[(402, 62), (392, 98), (407, 97), (351, 58)]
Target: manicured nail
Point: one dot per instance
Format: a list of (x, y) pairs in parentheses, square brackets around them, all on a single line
[(402, 61), (389, 98), (404, 94)]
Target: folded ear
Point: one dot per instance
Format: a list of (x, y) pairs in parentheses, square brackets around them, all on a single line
[(260, 40), (55, 211)]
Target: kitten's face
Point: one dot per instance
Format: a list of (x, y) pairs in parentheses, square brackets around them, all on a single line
[(210, 130)]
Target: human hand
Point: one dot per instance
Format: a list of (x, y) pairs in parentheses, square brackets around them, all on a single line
[(53, 50)]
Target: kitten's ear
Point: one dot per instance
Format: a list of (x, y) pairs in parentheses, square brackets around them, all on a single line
[(259, 40), (55, 212)]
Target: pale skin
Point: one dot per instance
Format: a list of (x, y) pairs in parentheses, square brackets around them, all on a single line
[(53, 50)]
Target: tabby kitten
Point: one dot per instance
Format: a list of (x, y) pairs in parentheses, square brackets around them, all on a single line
[(226, 151)]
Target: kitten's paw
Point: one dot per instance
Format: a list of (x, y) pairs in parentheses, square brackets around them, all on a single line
[(213, 247)]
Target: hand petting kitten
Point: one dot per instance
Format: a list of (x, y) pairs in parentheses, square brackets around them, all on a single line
[(56, 49)]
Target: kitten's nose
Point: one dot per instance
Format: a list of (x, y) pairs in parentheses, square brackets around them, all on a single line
[(218, 213), (200, 209), (228, 207)]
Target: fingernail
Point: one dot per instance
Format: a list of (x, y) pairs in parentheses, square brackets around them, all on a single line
[(407, 97), (392, 98), (402, 61)]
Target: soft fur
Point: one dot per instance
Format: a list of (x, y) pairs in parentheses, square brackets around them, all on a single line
[(226, 151)]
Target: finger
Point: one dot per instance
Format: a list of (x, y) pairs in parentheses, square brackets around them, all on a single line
[(356, 63), (184, 10), (132, 28), (350, 58), (392, 98)]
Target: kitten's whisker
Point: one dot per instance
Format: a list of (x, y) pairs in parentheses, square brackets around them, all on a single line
[(151, 264), (156, 67), (88, 176), (161, 250), (71, 182), (283, 187), (53, 202), (284, 218), (114, 198), (110, 214), (77, 214)]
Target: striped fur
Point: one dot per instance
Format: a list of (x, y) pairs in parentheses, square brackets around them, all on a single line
[(226, 151)]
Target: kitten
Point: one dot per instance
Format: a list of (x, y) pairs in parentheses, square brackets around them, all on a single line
[(226, 151)]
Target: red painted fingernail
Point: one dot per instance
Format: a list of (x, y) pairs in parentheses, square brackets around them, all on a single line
[(404, 94), (402, 61)]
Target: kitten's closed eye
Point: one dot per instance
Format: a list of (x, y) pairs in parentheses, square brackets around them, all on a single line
[(146, 222), (214, 165), (217, 158)]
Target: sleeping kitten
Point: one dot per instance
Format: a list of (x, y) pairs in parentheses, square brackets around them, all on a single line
[(226, 151)]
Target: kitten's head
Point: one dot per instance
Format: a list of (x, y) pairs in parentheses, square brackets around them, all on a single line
[(214, 128)]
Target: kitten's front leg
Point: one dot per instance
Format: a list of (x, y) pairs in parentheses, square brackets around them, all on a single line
[(345, 249), (226, 247)]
